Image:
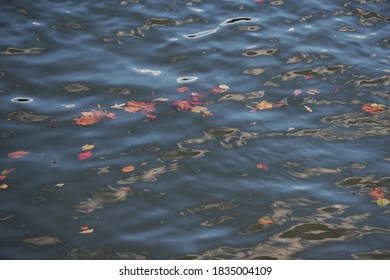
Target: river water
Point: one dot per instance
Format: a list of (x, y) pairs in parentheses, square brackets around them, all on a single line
[(251, 142)]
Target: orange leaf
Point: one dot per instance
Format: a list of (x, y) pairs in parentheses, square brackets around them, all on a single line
[(182, 105), (128, 168), (93, 117), (18, 154), (264, 105), (135, 106), (265, 221)]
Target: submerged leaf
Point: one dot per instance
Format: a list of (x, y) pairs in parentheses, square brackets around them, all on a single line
[(3, 186), (18, 154), (2, 177)]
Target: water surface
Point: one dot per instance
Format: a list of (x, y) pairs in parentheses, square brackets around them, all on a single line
[(224, 180)]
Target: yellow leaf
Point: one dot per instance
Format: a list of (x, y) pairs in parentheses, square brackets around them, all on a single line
[(382, 202), (86, 231), (198, 109), (87, 147), (308, 108), (264, 105), (128, 168)]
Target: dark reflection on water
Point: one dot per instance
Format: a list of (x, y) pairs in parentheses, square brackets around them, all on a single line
[(267, 153)]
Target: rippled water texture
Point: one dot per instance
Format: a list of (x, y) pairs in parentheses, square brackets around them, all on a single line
[(194, 129)]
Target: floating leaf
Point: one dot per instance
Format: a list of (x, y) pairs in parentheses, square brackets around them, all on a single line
[(382, 202), (93, 117), (312, 91), (151, 116), (220, 89), (377, 193), (198, 109), (18, 154), (262, 166), (308, 108), (128, 168), (161, 99), (207, 114), (373, 108), (182, 105), (265, 221), (3, 186), (2, 177), (143, 107), (86, 231), (182, 89), (87, 147), (7, 171), (84, 228), (297, 92), (308, 76), (118, 106), (85, 155), (264, 105)]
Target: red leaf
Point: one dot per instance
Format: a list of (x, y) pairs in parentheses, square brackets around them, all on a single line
[(182, 89), (262, 166), (182, 105), (373, 108), (376, 193), (220, 89), (2, 177), (85, 155), (18, 154)]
